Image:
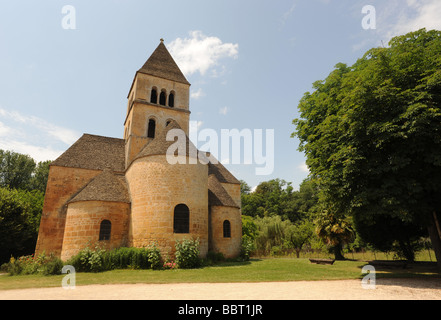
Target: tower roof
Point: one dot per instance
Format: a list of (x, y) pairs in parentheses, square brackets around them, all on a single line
[(162, 65)]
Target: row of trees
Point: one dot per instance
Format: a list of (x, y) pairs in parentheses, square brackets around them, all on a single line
[(22, 187), (277, 220)]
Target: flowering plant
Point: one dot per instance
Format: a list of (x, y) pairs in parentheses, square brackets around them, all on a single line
[(169, 265)]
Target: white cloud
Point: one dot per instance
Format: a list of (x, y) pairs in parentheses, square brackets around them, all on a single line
[(201, 53), (33, 136), (427, 15), (303, 167), (287, 14), (406, 18), (398, 17), (197, 94), (223, 110)]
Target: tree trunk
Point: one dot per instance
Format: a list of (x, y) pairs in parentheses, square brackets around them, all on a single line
[(407, 250), (435, 238), (337, 250)]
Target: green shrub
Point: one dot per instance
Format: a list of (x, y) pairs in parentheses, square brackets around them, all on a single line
[(187, 254), (46, 265), (247, 246), (121, 258), (154, 257), (52, 267)]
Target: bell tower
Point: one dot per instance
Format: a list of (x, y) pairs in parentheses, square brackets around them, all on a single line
[(159, 94)]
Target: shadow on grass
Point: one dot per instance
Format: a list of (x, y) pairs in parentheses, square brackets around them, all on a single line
[(231, 263), (389, 271)]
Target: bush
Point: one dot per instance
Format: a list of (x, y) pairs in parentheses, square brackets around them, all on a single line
[(187, 254), (42, 264), (53, 267), (121, 258), (247, 246), (88, 260)]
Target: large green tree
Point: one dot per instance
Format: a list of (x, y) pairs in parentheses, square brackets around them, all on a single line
[(19, 171), (20, 213), (16, 170), (372, 136)]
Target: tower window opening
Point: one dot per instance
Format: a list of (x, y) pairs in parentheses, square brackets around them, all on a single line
[(105, 230), (151, 128), (162, 98), (154, 96), (171, 100), (181, 219), (227, 229)]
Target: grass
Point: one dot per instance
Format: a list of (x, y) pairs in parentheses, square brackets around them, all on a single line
[(256, 270)]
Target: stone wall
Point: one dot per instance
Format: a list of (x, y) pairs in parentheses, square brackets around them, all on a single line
[(83, 223), (229, 247), (156, 188), (62, 184)]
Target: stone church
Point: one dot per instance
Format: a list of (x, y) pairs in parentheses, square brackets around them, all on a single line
[(124, 193)]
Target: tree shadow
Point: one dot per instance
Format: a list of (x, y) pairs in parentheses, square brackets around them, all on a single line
[(415, 275), (232, 263)]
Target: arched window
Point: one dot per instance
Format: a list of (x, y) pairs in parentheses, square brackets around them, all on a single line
[(227, 229), (105, 230), (151, 128), (181, 219), (154, 96), (171, 100), (162, 98)]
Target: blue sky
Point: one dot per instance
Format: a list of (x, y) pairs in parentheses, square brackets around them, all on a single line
[(249, 63)]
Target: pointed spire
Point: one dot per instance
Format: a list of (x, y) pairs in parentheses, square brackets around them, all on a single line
[(161, 64)]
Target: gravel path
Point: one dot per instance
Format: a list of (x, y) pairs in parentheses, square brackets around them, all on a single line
[(386, 289)]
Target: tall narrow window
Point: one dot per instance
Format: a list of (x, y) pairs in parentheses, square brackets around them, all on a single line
[(154, 96), (171, 100), (162, 98), (151, 128), (181, 219), (105, 230), (227, 229)]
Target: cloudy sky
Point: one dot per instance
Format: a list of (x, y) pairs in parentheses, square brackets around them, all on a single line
[(65, 71)]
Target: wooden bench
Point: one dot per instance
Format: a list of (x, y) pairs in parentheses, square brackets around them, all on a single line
[(322, 261)]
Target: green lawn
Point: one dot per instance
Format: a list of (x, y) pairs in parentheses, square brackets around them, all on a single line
[(256, 270)]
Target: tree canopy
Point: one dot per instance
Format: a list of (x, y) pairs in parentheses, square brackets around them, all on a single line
[(372, 136), (22, 188)]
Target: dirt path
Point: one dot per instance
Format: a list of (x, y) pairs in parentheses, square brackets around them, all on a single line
[(386, 289)]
